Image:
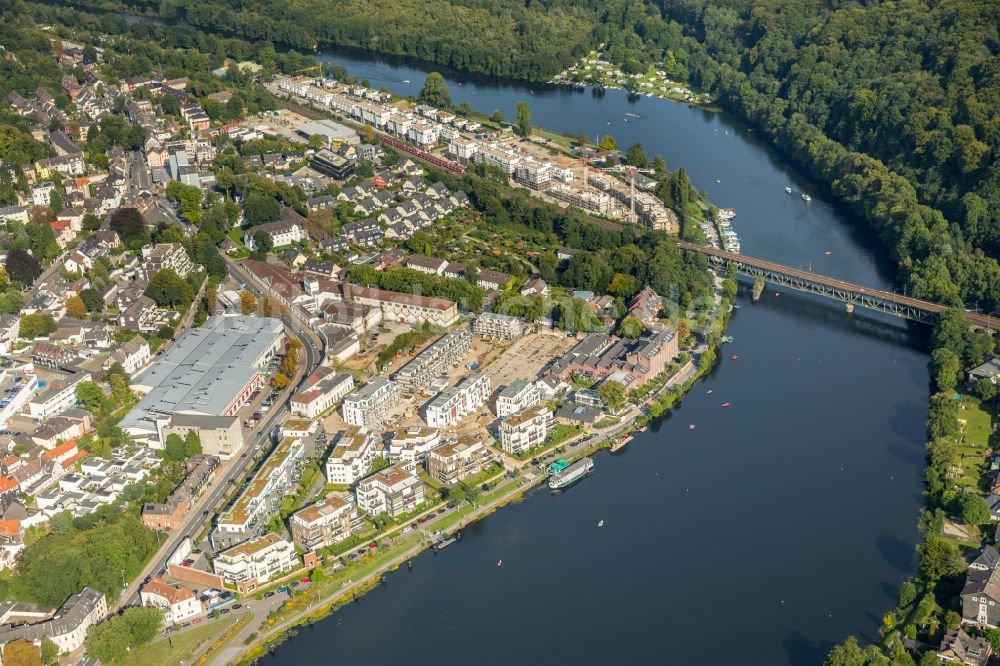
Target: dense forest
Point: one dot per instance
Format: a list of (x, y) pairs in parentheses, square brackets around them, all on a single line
[(894, 105)]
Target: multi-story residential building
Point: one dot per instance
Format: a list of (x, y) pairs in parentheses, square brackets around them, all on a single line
[(449, 407), (255, 562), (323, 389), (410, 446), (255, 505), (170, 514), (67, 628), (526, 430), (499, 327), (324, 523), (369, 406), (598, 355), (287, 230), (406, 308), (394, 491), (167, 255), (133, 355), (426, 366), (352, 456), (517, 396), (178, 603), (455, 461)]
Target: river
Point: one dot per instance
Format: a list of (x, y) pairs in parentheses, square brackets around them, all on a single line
[(762, 537)]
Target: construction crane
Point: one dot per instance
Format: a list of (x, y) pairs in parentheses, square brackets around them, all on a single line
[(631, 171), (309, 69)]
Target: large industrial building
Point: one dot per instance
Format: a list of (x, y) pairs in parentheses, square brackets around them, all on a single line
[(208, 371)]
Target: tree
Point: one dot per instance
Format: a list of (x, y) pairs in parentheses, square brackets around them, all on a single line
[(985, 389), (111, 640), (907, 593), (607, 142), (248, 303), (173, 447), (497, 116), (169, 289), (260, 208), (631, 327), (850, 653), (92, 301), (192, 444), (22, 267), (130, 226), (622, 285), (946, 367), (636, 156), (75, 307), (263, 242), (612, 394), (974, 509), (938, 557), (367, 133), (279, 381), (50, 652), (523, 118), (90, 396), (435, 91), (582, 139), (37, 325), (21, 653), (188, 199)]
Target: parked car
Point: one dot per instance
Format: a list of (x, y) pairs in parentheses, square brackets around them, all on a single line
[(268, 595), (307, 579)]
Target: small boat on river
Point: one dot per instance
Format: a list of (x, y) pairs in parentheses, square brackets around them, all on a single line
[(576, 472)]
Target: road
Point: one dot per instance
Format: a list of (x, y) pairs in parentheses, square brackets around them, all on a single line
[(231, 471)]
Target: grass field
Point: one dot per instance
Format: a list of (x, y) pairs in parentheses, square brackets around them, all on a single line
[(975, 441), (170, 652)]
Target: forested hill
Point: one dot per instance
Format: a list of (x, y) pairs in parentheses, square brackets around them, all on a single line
[(528, 40), (914, 84)]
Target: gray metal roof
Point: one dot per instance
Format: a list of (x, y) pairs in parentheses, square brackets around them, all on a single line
[(203, 370)]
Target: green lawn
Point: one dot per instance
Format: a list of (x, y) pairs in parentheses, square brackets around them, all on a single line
[(170, 652), (975, 441)]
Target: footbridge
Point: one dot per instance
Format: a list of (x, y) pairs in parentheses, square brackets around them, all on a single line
[(846, 292)]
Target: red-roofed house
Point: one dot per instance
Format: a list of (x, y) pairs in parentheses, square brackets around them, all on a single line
[(178, 603), (9, 484)]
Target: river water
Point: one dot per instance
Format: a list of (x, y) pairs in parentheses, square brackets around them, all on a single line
[(767, 534)]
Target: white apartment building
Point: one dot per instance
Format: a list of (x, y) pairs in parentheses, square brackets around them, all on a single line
[(394, 491), (324, 523), (426, 366), (260, 499), (455, 461), (352, 455), (321, 391), (411, 445), (68, 627), (178, 603), (517, 396), (500, 157), (258, 560), (449, 407), (462, 148), (495, 326), (526, 430), (369, 406)]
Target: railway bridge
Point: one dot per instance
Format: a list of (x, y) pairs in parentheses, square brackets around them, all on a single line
[(846, 292)]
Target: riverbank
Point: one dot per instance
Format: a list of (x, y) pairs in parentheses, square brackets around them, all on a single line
[(402, 543)]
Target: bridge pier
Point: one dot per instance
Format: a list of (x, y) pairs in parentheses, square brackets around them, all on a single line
[(850, 308), (758, 289)]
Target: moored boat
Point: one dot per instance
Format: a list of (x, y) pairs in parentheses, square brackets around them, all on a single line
[(575, 472)]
